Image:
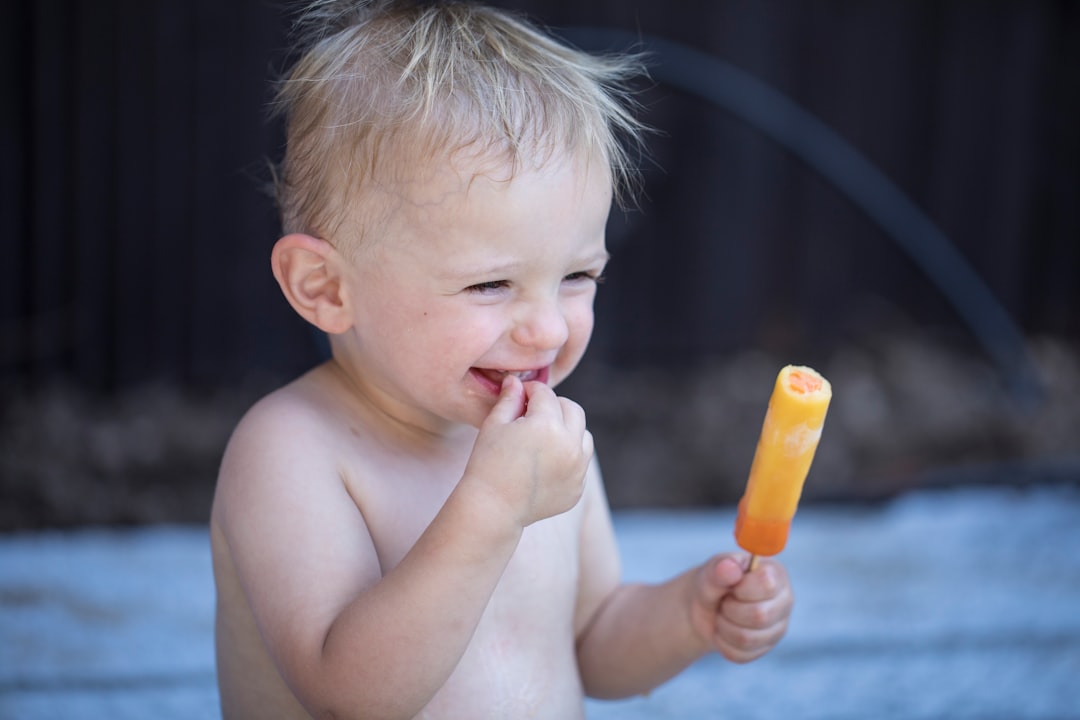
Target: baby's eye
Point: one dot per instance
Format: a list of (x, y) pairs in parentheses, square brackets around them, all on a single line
[(585, 275), (486, 287)]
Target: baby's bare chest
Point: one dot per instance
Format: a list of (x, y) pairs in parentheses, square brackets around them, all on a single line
[(398, 504), (521, 661)]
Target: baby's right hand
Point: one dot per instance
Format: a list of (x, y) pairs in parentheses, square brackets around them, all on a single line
[(534, 461)]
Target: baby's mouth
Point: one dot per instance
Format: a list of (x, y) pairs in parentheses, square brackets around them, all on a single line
[(495, 377)]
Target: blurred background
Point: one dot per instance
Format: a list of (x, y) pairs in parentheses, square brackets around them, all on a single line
[(888, 191)]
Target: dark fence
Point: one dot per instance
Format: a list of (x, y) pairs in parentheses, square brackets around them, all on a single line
[(136, 233)]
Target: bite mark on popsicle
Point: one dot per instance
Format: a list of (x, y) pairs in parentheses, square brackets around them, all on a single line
[(789, 438)]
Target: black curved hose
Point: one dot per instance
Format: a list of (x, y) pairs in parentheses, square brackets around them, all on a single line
[(824, 150)]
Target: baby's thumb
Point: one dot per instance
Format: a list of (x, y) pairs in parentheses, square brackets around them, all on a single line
[(511, 403), (717, 577)]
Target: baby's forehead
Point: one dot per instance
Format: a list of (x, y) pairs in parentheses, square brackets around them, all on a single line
[(425, 188), (438, 177)]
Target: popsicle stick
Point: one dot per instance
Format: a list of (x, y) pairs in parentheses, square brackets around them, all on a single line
[(753, 563)]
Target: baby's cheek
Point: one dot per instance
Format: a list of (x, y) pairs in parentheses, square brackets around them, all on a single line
[(570, 354), (580, 325)]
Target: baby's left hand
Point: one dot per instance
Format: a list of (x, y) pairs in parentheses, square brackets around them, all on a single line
[(742, 615)]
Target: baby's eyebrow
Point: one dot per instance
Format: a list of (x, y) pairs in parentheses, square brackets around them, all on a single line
[(504, 269), (472, 271), (588, 261)]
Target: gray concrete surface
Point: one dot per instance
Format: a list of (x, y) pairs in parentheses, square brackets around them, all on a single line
[(958, 604)]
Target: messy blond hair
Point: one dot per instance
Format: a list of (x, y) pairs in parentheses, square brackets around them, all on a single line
[(382, 86)]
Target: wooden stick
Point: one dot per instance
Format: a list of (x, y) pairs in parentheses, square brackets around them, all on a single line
[(753, 563)]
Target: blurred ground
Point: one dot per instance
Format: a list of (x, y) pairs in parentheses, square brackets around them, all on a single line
[(958, 604), (909, 411)]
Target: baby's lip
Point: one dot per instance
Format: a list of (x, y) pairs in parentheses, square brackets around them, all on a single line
[(496, 376)]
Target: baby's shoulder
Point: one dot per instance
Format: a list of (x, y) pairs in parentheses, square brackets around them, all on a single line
[(290, 450), (287, 414), (302, 418)]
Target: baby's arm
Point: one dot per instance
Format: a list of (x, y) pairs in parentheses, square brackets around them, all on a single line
[(641, 635), (346, 638)]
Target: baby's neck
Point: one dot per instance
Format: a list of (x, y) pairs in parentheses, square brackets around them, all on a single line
[(366, 407)]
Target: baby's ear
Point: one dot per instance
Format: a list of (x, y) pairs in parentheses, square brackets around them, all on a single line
[(308, 269)]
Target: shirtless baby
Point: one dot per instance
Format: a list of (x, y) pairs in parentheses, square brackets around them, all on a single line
[(418, 527)]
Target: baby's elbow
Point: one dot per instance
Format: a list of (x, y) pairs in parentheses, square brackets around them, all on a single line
[(365, 706), (601, 692), (599, 684), (367, 713), (611, 689)]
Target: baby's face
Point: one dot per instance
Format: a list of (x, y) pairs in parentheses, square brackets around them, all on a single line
[(476, 277)]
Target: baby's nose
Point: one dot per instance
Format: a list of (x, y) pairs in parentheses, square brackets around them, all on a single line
[(541, 325)]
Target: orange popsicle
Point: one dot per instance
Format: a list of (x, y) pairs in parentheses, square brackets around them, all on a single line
[(785, 449)]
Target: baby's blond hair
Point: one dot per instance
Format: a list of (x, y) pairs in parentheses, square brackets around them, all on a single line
[(382, 86)]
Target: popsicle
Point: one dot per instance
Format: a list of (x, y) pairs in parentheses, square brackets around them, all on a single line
[(785, 449)]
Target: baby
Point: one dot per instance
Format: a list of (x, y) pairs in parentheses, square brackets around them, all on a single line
[(418, 526)]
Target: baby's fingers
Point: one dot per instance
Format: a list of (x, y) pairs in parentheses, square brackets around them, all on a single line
[(763, 598), (574, 420), (543, 400), (564, 413), (769, 580), (741, 644), (511, 402), (756, 615)]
